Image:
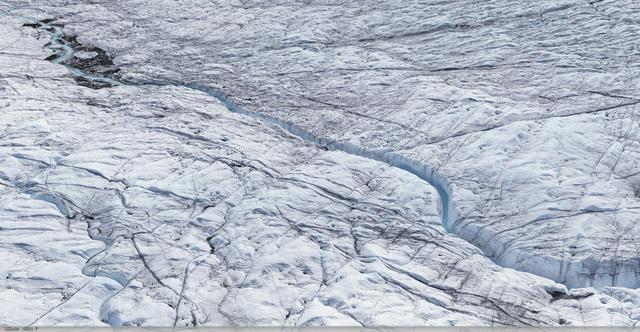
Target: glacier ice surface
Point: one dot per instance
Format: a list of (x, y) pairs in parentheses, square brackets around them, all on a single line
[(151, 204)]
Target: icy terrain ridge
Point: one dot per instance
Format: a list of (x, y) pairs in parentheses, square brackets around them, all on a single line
[(402, 163)]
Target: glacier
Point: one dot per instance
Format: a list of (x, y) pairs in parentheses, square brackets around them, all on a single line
[(319, 164)]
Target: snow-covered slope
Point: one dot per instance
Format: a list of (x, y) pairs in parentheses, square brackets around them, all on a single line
[(150, 202)]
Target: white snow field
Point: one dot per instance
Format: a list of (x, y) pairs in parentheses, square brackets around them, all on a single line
[(180, 163)]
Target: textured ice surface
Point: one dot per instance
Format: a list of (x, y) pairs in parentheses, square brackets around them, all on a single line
[(527, 109), (155, 205)]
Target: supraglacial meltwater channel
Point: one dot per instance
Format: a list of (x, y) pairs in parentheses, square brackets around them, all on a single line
[(63, 52)]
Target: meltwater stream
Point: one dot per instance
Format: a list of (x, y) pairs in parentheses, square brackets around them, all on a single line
[(64, 48), (64, 54)]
